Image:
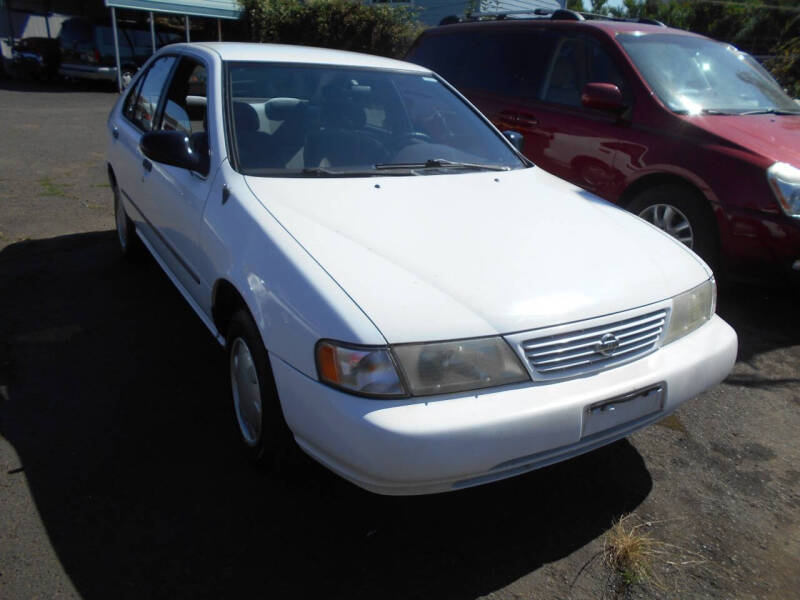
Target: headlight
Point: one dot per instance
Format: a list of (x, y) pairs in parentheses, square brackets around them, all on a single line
[(363, 370), (446, 367), (785, 182), (691, 309)]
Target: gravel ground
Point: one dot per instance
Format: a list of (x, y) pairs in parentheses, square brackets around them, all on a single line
[(120, 474)]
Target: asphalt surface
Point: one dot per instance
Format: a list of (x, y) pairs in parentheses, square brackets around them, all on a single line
[(120, 473)]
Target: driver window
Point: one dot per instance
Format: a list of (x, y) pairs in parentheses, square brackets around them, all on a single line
[(185, 107)]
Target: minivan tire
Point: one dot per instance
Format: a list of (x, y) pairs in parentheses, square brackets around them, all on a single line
[(681, 206)]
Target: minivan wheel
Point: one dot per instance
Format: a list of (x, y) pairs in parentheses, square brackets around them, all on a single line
[(263, 432), (127, 76), (682, 213)]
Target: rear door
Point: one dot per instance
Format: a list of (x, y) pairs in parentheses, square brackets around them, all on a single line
[(137, 116)]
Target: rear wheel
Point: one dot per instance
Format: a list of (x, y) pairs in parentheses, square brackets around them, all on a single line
[(681, 212), (262, 429)]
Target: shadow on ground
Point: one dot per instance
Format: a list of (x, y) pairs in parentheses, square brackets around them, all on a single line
[(116, 406)]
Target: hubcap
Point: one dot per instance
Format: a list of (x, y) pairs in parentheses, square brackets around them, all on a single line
[(122, 224), (126, 78), (671, 220), (246, 392)]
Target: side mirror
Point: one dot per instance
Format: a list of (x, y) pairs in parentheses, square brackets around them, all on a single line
[(516, 139), (603, 96), (177, 149)]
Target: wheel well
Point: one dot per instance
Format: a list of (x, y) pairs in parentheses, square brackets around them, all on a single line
[(112, 179), (651, 181), (227, 300)]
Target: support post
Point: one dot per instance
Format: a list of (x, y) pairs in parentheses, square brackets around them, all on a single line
[(219, 30), (153, 31), (116, 47), (186, 23)]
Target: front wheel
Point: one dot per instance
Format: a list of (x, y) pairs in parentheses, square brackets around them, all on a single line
[(264, 434), (682, 213)]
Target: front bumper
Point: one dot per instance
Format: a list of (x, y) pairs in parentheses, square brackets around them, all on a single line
[(437, 444)]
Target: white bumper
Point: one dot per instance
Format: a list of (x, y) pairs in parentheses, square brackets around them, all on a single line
[(442, 443)]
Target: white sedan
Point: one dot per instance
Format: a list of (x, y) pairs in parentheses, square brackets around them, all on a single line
[(399, 291)]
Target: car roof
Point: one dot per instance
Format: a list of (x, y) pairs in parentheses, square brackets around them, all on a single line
[(283, 53), (608, 26)]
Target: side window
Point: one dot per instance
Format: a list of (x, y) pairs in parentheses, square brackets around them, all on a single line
[(149, 92), (579, 61), (568, 73), (603, 69), (185, 108), (130, 100), (444, 54), (510, 65)]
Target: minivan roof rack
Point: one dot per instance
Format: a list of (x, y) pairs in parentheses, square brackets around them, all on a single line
[(559, 14)]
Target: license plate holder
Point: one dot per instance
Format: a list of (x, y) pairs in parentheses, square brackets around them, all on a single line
[(608, 414)]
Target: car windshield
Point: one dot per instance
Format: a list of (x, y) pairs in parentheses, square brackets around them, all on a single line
[(317, 121), (693, 75)]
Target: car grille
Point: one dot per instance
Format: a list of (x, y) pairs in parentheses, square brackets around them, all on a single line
[(583, 351)]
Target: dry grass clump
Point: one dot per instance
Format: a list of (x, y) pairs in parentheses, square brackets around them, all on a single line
[(630, 552)]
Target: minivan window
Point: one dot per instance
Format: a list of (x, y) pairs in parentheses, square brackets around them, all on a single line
[(694, 75), (579, 61)]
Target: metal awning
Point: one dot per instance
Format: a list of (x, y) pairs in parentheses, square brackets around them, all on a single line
[(217, 9)]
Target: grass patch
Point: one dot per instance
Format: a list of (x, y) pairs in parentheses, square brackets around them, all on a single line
[(51, 188)]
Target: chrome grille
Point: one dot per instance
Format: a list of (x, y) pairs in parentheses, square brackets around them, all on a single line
[(583, 351)]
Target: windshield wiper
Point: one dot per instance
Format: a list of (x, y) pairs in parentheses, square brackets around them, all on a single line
[(770, 111), (326, 172), (439, 163)]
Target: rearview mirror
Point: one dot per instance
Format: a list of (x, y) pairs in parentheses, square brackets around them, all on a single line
[(516, 139), (602, 96), (177, 149)]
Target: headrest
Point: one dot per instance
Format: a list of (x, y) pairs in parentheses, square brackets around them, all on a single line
[(280, 109), (245, 117)]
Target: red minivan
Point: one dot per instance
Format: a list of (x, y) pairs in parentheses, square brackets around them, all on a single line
[(688, 133)]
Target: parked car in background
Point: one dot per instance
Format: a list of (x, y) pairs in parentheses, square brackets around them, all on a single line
[(397, 288), (688, 133), (87, 49), (35, 57)]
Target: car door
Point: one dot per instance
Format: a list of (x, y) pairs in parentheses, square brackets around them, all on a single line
[(136, 117), (180, 194), (566, 138)]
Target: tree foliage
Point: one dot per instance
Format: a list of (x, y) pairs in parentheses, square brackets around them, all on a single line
[(372, 28)]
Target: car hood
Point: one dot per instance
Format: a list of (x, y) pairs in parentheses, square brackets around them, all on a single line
[(438, 257), (772, 136)]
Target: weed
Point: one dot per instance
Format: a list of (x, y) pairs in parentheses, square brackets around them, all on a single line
[(50, 188), (629, 552)]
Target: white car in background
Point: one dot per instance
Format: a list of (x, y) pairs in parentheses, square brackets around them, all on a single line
[(399, 291)]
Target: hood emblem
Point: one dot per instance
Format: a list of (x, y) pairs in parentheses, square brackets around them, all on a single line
[(608, 343)]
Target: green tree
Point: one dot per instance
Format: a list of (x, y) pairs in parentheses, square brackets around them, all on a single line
[(575, 5)]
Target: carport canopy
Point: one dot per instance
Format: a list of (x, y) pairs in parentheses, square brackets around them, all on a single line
[(215, 9)]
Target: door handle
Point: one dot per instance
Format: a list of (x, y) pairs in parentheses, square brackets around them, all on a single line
[(513, 119), (115, 132), (148, 166)]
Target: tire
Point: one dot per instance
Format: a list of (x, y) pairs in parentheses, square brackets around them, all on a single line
[(683, 213), (263, 432), (129, 243), (126, 77)]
